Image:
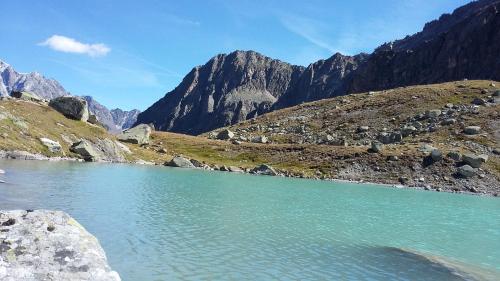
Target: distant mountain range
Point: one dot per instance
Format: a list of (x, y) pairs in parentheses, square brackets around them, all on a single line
[(243, 84), (114, 120), (10, 80)]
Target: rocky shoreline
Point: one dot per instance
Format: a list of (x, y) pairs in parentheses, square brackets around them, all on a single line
[(49, 245), (264, 169)]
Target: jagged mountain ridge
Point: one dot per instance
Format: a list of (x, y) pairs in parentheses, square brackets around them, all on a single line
[(464, 44), (227, 89), (11, 80), (124, 119)]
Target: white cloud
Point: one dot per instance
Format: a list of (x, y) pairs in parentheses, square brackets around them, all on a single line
[(70, 45)]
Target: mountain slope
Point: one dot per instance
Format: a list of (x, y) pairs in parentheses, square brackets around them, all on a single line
[(227, 89), (231, 88)]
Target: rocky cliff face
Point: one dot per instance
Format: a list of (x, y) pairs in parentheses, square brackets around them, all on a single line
[(227, 89), (231, 88), (11, 80)]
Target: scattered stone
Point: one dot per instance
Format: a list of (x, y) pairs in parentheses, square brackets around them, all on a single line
[(403, 180), (53, 146), (50, 245), (448, 121), (235, 169), (475, 161), (455, 155), (392, 158), (264, 170), (196, 163), (259, 139), (479, 101), (235, 142), (408, 130), (26, 96), (376, 147), (71, 107), (496, 93), (180, 162), (137, 135), (472, 130), (436, 155), (466, 171), (388, 138), (433, 113), (362, 129), (225, 135)]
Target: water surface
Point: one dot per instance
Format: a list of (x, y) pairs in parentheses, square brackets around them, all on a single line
[(158, 223)]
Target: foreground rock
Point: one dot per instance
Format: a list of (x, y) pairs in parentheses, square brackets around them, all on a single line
[(137, 135), (49, 245), (71, 107), (102, 150)]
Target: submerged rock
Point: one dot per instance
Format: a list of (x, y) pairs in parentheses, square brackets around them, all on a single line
[(137, 135), (49, 245), (71, 107)]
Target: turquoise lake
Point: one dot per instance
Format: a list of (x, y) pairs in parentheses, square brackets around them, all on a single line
[(159, 223)]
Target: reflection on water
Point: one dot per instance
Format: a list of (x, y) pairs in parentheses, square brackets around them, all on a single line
[(159, 223)]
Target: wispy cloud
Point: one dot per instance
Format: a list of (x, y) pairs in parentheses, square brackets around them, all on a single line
[(69, 45), (308, 29)]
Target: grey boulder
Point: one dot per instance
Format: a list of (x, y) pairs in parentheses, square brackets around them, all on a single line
[(225, 135), (472, 130), (466, 171), (138, 135), (264, 170), (53, 146), (475, 161), (180, 162), (86, 150), (71, 107), (49, 245)]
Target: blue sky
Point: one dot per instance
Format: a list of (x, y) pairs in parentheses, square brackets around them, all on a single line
[(128, 54)]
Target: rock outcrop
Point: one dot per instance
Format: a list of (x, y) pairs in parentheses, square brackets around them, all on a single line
[(102, 150), (49, 245), (71, 107), (137, 135), (238, 86)]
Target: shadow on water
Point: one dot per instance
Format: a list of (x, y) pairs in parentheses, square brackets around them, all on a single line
[(407, 264)]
